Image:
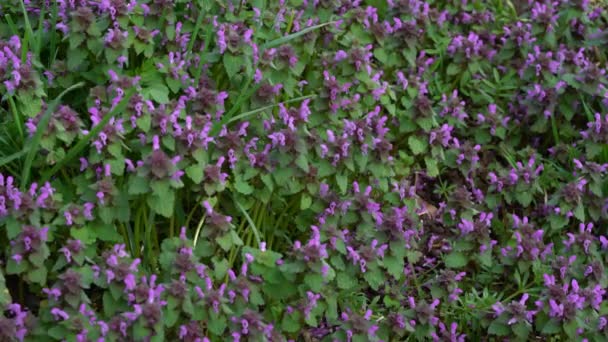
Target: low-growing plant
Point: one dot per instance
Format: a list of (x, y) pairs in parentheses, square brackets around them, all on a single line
[(303, 170)]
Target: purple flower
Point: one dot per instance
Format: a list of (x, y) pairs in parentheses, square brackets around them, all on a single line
[(59, 314)]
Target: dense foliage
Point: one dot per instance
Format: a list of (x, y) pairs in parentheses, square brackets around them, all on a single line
[(303, 170)]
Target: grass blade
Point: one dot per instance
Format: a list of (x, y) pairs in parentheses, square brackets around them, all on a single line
[(11, 24), (199, 71), (34, 143), (255, 230), (218, 125), (288, 38), (246, 93), (246, 114), (6, 160), (16, 117), (53, 34), (197, 27), (39, 32), (73, 152), (29, 33)]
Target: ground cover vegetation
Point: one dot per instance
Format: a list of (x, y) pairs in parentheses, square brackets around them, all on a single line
[(303, 170)]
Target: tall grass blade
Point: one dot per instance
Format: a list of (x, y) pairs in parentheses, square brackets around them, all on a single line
[(34, 143), (8, 159), (39, 32), (197, 27), (16, 117), (53, 34), (255, 230), (288, 38), (255, 111), (29, 33)]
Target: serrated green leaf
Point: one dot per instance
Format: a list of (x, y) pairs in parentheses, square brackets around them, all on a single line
[(138, 185), (195, 173), (342, 181), (417, 145), (455, 260), (158, 92), (305, 202), (302, 163), (243, 187), (162, 202), (499, 329), (394, 266), (225, 241), (579, 212), (431, 167), (144, 122), (38, 275), (314, 281)]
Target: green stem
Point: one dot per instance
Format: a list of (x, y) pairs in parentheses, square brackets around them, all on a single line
[(125, 236), (138, 219), (192, 211)]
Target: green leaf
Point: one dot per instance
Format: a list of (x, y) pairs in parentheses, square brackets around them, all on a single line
[(521, 330), (342, 181), (345, 281), (38, 275), (499, 329), (76, 58), (225, 241), (108, 232), (15, 268), (524, 198), (5, 296), (455, 260), (374, 278), (551, 327), (417, 145), (158, 92), (305, 202), (220, 267), (170, 317), (232, 64), (453, 69), (431, 167), (144, 122), (579, 212), (291, 323), (558, 221), (138, 185), (162, 199), (332, 307), (29, 105), (314, 281), (216, 323), (58, 332), (394, 266), (13, 228), (195, 172), (243, 187), (82, 234), (302, 163)]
